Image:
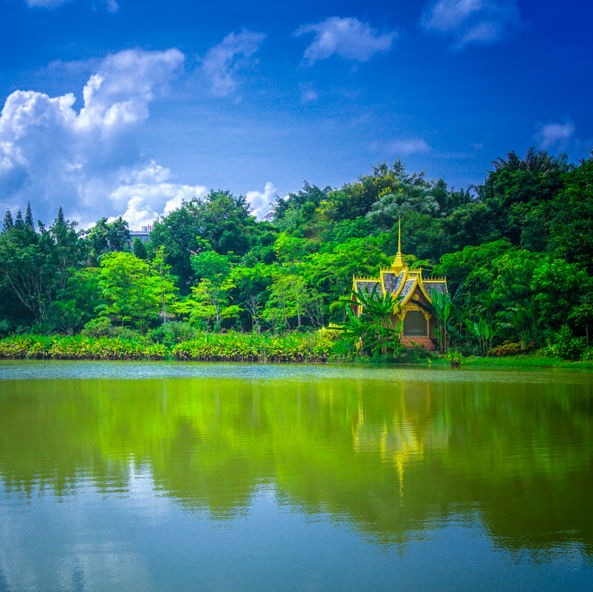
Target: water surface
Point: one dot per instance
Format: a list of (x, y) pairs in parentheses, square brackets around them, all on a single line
[(164, 476)]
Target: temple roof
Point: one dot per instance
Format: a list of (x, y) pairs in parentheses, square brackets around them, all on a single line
[(401, 281)]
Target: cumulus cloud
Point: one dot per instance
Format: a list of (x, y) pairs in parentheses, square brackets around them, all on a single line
[(347, 38), (471, 21), (52, 155), (404, 146), (261, 202), (146, 194), (223, 62), (555, 135)]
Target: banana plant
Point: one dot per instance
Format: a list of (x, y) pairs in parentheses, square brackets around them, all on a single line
[(443, 310), (523, 320), (372, 331), (483, 332)]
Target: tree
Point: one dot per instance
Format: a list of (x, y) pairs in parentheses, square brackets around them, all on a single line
[(251, 285), (558, 286), (7, 224), (516, 186), (108, 237), (139, 249), (28, 221), (288, 296), (164, 281), (582, 314), (18, 221), (36, 266), (214, 271), (571, 217), (129, 289), (220, 221)]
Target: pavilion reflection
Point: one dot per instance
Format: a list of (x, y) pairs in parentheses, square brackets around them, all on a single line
[(394, 460)]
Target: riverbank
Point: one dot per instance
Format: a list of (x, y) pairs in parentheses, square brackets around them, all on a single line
[(527, 361), (228, 347), (242, 347)]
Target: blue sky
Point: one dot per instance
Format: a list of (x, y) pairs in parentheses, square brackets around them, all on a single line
[(121, 107)]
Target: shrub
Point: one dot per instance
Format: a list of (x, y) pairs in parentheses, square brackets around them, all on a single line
[(509, 348), (127, 333), (99, 327), (172, 333), (506, 349), (566, 346)]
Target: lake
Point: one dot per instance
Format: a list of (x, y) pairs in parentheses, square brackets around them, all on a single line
[(234, 477)]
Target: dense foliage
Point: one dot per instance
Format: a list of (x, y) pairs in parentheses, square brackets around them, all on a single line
[(517, 251)]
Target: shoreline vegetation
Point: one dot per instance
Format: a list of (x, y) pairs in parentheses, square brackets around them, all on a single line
[(210, 282), (318, 347)]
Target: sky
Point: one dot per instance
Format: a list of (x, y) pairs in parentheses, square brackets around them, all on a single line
[(122, 107)]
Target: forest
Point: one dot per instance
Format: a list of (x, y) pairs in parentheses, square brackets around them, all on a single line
[(517, 252)]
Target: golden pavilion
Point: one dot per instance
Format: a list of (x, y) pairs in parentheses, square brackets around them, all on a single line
[(411, 293)]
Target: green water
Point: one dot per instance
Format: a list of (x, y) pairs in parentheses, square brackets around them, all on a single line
[(163, 476)]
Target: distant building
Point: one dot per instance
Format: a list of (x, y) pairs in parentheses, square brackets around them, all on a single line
[(143, 234)]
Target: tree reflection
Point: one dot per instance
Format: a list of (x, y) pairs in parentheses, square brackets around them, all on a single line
[(394, 460)]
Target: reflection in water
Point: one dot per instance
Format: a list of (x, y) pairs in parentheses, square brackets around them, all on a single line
[(398, 457)]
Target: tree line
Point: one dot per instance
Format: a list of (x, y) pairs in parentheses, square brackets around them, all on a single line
[(517, 251)]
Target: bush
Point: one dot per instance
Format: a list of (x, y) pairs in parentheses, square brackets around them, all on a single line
[(506, 349), (127, 333), (511, 349), (100, 327), (172, 333), (566, 346), (588, 355)]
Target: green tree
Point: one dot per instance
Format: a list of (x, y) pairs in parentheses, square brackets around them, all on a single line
[(36, 266), (28, 221), (571, 217), (582, 314), (139, 248), (516, 186), (108, 237), (164, 282), (129, 289), (7, 223), (214, 270), (558, 286)]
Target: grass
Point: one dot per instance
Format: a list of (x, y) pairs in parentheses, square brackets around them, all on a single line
[(527, 361)]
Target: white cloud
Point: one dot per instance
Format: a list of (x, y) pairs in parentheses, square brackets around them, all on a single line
[(308, 93), (45, 3), (222, 62), (471, 21), (112, 5), (51, 155), (146, 194), (403, 147), (346, 37), (555, 135), (261, 203)]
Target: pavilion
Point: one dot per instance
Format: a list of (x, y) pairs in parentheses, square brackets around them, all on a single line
[(412, 295)]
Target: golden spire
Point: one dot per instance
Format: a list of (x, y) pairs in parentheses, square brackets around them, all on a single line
[(399, 264)]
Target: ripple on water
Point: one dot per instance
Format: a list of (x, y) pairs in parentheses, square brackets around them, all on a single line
[(58, 370)]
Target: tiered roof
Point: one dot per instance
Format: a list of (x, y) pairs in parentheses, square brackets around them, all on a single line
[(401, 281)]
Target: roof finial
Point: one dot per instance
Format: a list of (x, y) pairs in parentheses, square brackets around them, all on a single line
[(399, 236)]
